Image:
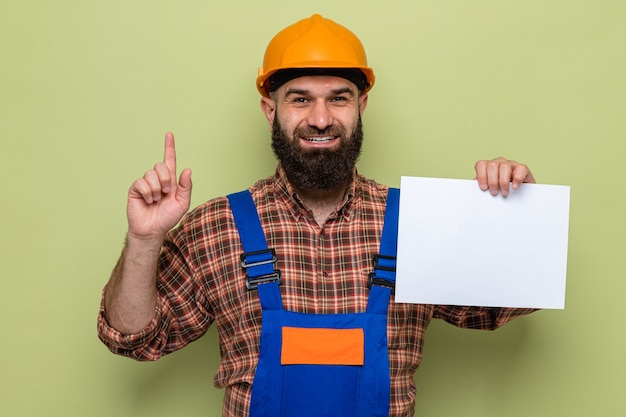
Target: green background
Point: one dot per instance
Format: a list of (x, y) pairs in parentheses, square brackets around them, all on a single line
[(88, 89)]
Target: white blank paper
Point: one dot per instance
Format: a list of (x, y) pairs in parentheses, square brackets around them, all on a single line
[(460, 245)]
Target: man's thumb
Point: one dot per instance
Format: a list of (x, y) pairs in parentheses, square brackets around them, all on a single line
[(185, 184)]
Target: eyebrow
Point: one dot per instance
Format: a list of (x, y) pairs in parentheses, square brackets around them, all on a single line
[(296, 91), (343, 90)]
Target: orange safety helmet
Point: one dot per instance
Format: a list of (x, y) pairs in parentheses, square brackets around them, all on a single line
[(318, 44)]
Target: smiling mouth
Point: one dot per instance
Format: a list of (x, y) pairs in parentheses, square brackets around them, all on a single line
[(320, 139)]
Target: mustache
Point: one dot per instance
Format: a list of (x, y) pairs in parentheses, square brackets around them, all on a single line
[(333, 130)]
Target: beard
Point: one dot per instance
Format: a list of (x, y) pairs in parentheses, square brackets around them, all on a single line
[(317, 169)]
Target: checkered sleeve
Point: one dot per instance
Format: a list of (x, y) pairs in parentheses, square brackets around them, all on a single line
[(481, 318), (180, 316), (127, 344)]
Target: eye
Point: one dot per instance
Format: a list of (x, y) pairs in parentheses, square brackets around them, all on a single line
[(340, 100), (299, 101)]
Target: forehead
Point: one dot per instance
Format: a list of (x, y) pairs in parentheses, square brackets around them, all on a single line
[(319, 84)]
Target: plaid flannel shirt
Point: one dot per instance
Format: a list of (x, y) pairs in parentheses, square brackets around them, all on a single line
[(325, 271)]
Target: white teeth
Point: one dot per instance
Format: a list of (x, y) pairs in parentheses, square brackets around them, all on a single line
[(319, 140)]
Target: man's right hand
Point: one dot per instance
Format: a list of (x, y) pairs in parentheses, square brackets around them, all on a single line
[(156, 202)]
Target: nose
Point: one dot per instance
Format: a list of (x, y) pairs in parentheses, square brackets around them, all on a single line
[(320, 115)]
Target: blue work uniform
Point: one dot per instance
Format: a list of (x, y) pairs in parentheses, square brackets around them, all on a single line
[(318, 365)]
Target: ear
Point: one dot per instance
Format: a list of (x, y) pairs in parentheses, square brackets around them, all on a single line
[(362, 103), (268, 107)]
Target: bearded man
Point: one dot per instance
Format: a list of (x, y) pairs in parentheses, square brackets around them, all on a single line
[(285, 270)]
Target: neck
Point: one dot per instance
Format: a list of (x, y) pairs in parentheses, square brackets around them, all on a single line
[(322, 203)]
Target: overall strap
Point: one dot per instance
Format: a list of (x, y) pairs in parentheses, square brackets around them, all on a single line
[(382, 281), (258, 260)]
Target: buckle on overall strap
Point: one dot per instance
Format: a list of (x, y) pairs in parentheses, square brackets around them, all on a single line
[(388, 264), (252, 260)]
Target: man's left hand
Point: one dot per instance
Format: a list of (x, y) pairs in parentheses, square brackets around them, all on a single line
[(500, 174)]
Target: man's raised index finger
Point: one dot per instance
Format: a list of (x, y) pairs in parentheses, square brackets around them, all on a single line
[(169, 157)]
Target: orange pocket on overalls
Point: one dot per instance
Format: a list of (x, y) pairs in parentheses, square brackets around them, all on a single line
[(319, 346)]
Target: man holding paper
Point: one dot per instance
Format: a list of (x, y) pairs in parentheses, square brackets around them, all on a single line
[(307, 321)]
